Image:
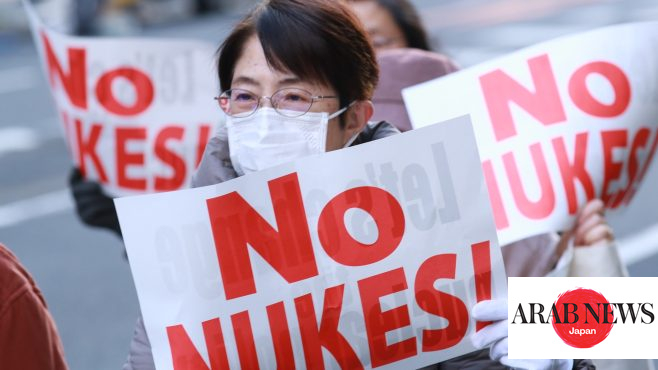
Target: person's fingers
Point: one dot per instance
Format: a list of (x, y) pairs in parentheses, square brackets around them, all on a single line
[(490, 310), (75, 175), (591, 221), (490, 334), (90, 213), (592, 207), (87, 187), (598, 235), (587, 225), (499, 349)]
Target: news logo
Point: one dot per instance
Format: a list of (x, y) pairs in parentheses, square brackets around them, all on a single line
[(582, 317)]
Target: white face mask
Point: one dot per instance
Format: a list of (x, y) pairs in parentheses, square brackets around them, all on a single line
[(267, 138)]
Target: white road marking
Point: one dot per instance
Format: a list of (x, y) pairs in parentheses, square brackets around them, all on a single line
[(638, 247), (17, 139), (42, 205), (18, 79)]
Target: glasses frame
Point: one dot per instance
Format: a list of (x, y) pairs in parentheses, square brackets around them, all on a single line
[(314, 98)]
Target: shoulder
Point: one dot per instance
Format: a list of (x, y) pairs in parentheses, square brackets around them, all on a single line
[(532, 256), (215, 166), (14, 280), (375, 131), (29, 339)]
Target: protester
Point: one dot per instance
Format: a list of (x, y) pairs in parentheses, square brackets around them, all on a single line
[(391, 24), (401, 68), (273, 80), (28, 336), (596, 254), (264, 82)]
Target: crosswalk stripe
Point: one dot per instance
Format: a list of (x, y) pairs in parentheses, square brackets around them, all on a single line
[(41, 205)]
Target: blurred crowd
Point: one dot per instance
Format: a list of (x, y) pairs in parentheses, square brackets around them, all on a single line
[(113, 17)]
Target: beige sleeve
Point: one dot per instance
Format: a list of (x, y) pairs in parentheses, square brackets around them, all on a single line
[(597, 261)]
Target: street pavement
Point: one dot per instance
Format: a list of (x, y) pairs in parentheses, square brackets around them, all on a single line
[(82, 271)]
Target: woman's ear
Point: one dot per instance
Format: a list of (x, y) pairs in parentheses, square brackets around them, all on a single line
[(357, 116)]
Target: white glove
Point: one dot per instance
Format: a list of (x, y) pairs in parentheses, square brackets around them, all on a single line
[(495, 336)]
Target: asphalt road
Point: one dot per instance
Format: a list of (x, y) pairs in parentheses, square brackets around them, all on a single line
[(82, 271)]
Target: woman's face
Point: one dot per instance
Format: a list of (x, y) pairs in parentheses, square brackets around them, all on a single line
[(252, 73), (379, 24)]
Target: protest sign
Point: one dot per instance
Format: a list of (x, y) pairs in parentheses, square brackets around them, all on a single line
[(369, 256), (136, 113), (557, 124)]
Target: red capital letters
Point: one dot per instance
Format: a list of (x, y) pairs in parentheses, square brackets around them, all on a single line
[(481, 253), (143, 91), (276, 315), (337, 241), (544, 206), (574, 170), (379, 322), (612, 171), (643, 171), (441, 304), (328, 336), (584, 100), (544, 103), (640, 141), (169, 157), (235, 224), (88, 148), (75, 82), (244, 340), (186, 357), (125, 159)]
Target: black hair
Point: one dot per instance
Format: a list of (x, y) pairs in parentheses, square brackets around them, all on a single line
[(317, 40), (407, 19)]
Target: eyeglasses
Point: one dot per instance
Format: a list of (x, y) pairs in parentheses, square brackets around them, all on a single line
[(289, 102)]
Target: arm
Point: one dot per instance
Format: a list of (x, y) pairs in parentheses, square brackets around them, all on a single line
[(140, 356)]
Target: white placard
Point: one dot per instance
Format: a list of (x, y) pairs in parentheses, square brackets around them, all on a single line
[(136, 113), (557, 124), (370, 256)]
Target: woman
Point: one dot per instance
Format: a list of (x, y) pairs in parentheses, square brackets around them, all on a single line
[(391, 24), (287, 97), (312, 93)]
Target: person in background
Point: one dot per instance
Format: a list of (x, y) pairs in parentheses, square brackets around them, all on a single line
[(28, 336), (402, 68), (286, 97), (391, 24)]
